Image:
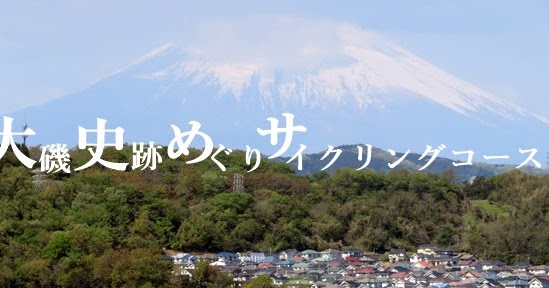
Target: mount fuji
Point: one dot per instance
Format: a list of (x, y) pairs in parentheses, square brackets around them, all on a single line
[(348, 86)]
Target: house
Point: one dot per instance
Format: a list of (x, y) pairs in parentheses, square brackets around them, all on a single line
[(288, 254), (397, 269), (257, 257), (229, 269), (443, 261), (471, 275), (320, 260), (467, 256), (440, 285), (423, 280), (180, 270), (356, 253), (285, 263), (338, 262), (351, 259), (315, 275), (463, 284), (342, 273), (504, 274), (301, 267), (270, 259), (433, 274), (419, 257), (298, 259), (310, 254), (219, 263), (427, 249), (187, 272), (440, 281), (521, 267), (352, 267), (367, 260), (421, 265), (397, 255), (330, 254), (348, 284), (539, 282), (486, 283), (184, 258), (452, 276), (399, 275), (243, 276), (411, 279), (401, 283), (375, 282), (518, 283), (539, 270), (266, 265), (228, 258), (487, 265), (265, 271), (366, 271), (465, 264), (449, 252), (285, 271), (279, 280)]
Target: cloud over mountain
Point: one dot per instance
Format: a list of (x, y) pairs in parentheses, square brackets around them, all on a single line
[(318, 64)]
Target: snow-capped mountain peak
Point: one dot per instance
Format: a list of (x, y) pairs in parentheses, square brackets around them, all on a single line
[(362, 70), (346, 85)]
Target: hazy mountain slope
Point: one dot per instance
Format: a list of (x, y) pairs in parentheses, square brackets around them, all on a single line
[(362, 90)]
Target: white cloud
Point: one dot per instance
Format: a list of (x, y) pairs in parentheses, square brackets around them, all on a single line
[(274, 42)]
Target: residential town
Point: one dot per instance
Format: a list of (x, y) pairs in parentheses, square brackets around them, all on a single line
[(428, 266)]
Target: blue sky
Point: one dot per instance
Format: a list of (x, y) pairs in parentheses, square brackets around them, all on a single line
[(49, 49)]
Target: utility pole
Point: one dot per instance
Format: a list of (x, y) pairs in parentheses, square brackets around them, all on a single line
[(25, 127), (238, 182)]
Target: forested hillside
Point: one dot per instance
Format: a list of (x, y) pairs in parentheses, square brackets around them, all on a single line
[(100, 227)]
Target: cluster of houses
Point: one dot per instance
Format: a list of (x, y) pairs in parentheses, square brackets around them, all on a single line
[(430, 266)]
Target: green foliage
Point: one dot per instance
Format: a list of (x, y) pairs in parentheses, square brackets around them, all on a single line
[(206, 276), (132, 268), (58, 247), (263, 281), (103, 228)]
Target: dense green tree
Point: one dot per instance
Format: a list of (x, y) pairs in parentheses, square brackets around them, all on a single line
[(132, 268), (206, 276), (263, 281)]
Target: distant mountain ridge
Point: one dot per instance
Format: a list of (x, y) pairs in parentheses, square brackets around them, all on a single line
[(380, 159)]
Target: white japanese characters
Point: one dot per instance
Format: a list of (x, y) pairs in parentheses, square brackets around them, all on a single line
[(55, 158)]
